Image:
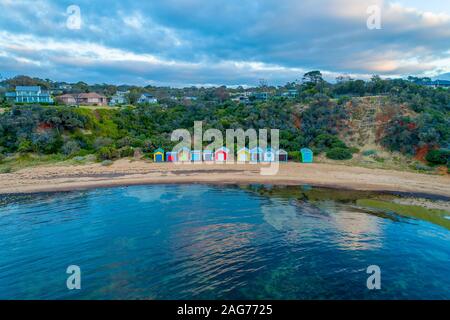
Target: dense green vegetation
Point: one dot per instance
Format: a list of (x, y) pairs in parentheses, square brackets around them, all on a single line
[(313, 119), (112, 133)]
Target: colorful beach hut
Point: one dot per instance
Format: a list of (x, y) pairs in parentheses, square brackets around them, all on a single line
[(307, 155), (172, 156), (269, 155), (196, 156), (243, 155), (282, 156), (208, 156), (221, 154), (184, 155), (158, 155), (256, 155)]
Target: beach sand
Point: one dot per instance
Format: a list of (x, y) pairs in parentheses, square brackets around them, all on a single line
[(127, 172)]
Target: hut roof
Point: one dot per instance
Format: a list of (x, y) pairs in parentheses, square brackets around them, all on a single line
[(225, 149)]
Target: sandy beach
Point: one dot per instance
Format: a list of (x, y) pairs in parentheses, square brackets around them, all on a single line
[(126, 173)]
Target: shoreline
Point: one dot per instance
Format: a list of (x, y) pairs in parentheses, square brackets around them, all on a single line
[(59, 178)]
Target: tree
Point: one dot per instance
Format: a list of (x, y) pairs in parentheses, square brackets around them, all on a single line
[(312, 77), (134, 95), (441, 156), (339, 154)]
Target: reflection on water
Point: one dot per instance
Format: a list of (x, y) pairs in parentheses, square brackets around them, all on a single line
[(209, 242)]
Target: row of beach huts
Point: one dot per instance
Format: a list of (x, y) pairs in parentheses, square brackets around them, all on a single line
[(222, 154)]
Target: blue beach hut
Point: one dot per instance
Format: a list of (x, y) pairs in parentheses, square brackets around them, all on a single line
[(196, 156), (307, 155), (256, 155), (269, 155)]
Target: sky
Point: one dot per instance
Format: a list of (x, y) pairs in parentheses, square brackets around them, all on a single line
[(221, 42)]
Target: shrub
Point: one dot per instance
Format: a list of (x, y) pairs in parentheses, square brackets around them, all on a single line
[(369, 153), (421, 167), (71, 148), (125, 142), (107, 163), (294, 155), (327, 142), (354, 150), (148, 146), (107, 153), (7, 169), (101, 142), (126, 152), (339, 154), (440, 156), (47, 142), (25, 145), (83, 153)]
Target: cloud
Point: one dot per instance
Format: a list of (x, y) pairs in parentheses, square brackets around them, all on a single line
[(184, 42)]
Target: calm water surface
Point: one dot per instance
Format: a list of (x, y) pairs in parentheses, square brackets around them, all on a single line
[(217, 242)]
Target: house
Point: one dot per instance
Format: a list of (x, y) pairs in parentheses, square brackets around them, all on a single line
[(120, 97), (221, 154), (261, 96), (437, 84), (158, 155), (290, 94), (208, 156), (85, 99), (147, 98), (282, 156), (172, 156), (241, 99), (91, 99), (243, 155), (196, 156), (269, 155), (29, 94), (67, 99), (307, 155), (256, 155), (184, 155)]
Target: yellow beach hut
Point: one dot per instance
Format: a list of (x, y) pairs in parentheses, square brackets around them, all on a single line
[(243, 155)]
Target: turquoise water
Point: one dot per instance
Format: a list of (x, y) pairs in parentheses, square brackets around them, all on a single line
[(216, 242)]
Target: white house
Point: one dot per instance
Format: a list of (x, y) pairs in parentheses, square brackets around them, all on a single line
[(147, 98), (119, 98)]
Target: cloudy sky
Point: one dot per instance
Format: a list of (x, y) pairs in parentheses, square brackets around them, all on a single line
[(213, 42)]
